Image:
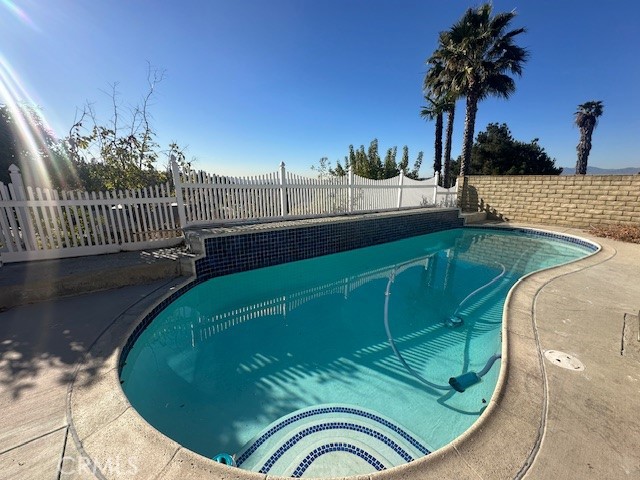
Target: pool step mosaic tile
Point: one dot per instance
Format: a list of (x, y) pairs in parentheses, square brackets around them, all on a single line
[(330, 440)]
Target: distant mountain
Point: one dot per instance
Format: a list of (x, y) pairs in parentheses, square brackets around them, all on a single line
[(603, 171)]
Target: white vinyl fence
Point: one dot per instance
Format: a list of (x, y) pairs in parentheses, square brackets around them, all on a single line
[(39, 223), (204, 199)]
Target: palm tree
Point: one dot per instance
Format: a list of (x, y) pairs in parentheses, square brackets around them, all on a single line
[(451, 111), (586, 120), (434, 111), (478, 55), (439, 84)]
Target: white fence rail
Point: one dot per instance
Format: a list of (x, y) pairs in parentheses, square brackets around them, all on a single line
[(203, 198), (39, 223)]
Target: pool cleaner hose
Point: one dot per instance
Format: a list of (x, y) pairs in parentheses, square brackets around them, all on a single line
[(459, 383)]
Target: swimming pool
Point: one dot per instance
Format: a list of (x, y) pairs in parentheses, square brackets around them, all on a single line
[(326, 366)]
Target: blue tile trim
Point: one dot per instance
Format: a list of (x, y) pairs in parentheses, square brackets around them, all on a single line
[(322, 410), (225, 254), (591, 246), (336, 447), (291, 442), (149, 318)]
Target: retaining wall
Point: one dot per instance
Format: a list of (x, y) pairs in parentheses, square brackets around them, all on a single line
[(576, 201)]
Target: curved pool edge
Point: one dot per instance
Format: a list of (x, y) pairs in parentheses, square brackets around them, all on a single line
[(500, 444)]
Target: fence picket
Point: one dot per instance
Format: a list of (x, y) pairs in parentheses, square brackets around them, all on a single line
[(211, 208), (174, 225), (93, 233), (57, 217), (39, 230), (6, 213), (270, 198), (262, 179), (247, 204), (99, 230), (24, 227), (163, 212), (130, 207), (77, 220), (195, 197), (205, 198), (60, 220), (21, 216), (161, 215), (11, 214), (244, 206), (84, 225), (217, 199), (115, 212), (236, 199), (222, 197), (202, 204), (51, 212), (71, 218), (154, 214), (133, 201), (252, 193), (202, 207), (193, 203), (107, 219)]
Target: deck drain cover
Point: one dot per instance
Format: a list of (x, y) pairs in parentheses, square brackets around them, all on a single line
[(564, 360)]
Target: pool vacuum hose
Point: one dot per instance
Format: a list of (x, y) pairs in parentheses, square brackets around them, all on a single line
[(459, 383)]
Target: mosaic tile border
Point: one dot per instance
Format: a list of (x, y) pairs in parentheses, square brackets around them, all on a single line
[(336, 447), (532, 232), (291, 442), (251, 249), (126, 348), (323, 410)]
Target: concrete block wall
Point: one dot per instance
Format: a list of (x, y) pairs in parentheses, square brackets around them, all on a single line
[(575, 201)]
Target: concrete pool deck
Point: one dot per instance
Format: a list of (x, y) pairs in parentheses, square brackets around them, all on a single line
[(63, 413)]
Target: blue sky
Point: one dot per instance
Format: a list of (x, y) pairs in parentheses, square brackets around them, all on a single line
[(252, 83)]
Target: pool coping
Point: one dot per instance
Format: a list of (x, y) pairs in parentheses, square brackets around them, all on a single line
[(502, 443)]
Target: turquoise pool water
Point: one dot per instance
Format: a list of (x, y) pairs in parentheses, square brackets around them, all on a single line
[(229, 366)]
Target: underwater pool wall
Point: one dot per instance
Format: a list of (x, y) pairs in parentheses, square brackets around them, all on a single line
[(246, 248), (228, 250)]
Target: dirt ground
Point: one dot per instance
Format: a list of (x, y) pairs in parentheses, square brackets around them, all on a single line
[(623, 233)]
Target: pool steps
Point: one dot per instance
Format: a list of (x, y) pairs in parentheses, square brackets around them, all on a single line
[(330, 440)]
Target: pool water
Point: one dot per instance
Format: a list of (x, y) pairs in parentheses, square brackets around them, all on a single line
[(289, 365)]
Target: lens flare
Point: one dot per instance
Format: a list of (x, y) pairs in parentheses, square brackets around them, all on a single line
[(30, 126), (18, 13)]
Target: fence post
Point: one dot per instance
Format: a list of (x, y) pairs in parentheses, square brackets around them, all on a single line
[(400, 188), (23, 215), (436, 181), (177, 185), (283, 191), (350, 190)]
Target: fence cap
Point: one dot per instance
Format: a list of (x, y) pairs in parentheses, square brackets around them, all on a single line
[(13, 168)]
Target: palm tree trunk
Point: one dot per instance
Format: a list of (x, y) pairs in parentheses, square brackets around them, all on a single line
[(447, 147), (584, 147), (469, 126), (437, 162)]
